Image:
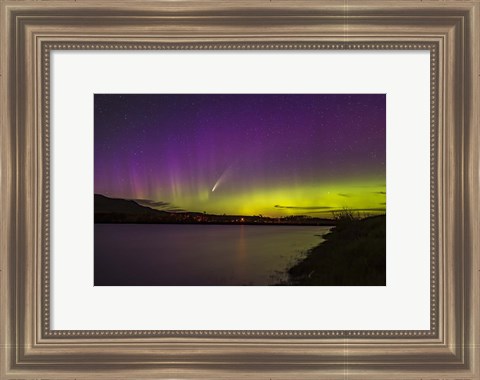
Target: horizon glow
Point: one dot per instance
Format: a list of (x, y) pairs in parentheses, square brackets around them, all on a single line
[(243, 154)]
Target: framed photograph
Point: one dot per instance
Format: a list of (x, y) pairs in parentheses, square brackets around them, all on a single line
[(221, 190), (273, 174)]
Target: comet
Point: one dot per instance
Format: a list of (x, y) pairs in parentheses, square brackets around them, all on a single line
[(222, 178)]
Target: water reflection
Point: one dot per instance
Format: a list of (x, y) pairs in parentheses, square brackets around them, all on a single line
[(241, 253), (142, 254)]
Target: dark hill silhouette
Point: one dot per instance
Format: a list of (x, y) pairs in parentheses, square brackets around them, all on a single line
[(106, 205)]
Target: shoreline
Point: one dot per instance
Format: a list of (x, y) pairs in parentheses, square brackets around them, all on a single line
[(353, 253)]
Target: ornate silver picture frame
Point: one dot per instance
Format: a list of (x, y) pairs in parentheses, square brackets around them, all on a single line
[(32, 30)]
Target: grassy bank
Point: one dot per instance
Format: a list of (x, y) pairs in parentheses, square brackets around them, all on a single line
[(353, 254)]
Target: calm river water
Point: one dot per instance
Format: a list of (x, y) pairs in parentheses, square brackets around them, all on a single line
[(172, 254)]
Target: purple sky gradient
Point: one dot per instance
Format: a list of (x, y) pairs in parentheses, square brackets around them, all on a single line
[(258, 149)]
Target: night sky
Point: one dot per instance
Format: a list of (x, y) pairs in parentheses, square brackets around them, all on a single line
[(243, 154)]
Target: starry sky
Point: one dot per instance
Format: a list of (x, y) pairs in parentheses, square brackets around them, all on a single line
[(243, 154)]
